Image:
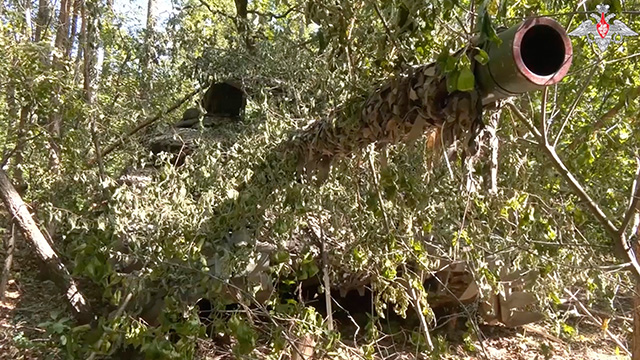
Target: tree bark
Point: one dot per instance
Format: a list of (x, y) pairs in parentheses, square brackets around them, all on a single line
[(42, 20), (90, 35), (27, 20), (635, 350), (62, 35), (22, 129), (16, 111), (59, 273), (55, 122), (8, 261), (147, 72), (242, 23), (89, 32), (77, 4)]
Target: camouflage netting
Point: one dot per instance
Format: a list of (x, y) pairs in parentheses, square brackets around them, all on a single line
[(402, 110)]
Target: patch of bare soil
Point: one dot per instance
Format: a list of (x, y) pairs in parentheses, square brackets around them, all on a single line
[(28, 302), (533, 342)]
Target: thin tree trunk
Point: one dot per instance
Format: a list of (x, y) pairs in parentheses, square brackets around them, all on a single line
[(88, 30), (81, 37), (8, 261), (22, 129), (27, 20), (242, 23), (89, 57), (59, 273), (62, 36), (74, 27), (147, 72), (42, 20), (55, 121), (635, 350), (22, 113)]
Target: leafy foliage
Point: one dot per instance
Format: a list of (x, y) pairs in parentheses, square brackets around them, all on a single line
[(195, 229)]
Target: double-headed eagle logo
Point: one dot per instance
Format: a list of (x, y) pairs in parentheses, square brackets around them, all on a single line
[(603, 33)]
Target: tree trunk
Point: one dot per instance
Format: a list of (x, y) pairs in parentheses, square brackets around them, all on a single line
[(62, 35), (636, 318), (22, 129), (635, 350), (18, 112), (89, 16), (27, 20), (242, 23), (88, 29), (77, 4), (55, 122), (147, 71), (59, 273), (8, 261), (42, 20)]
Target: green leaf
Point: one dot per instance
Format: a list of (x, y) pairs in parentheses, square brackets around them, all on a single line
[(450, 64), (280, 256), (482, 57), (322, 42), (452, 81), (466, 80), (488, 32)]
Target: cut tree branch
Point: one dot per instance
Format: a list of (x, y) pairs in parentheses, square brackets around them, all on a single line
[(633, 201), (619, 240), (575, 103), (624, 100), (543, 115), (107, 150), (57, 270), (273, 15), (597, 321)]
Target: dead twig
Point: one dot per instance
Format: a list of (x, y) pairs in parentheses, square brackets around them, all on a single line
[(325, 280), (597, 321), (543, 115), (575, 103), (633, 200), (106, 151), (117, 314), (417, 306), (616, 235)]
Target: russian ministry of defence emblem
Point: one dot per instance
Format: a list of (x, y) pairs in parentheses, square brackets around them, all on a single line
[(602, 32)]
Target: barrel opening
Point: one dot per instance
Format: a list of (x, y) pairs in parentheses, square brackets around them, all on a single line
[(543, 50)]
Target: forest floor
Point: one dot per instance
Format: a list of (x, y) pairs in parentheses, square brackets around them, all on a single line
[(30, 303)]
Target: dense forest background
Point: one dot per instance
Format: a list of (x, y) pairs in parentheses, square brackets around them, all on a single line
[(280, 233)]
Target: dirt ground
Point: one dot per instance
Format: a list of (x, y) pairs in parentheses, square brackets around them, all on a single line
[(30, 302)]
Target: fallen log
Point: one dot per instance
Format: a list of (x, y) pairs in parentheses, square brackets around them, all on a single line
[(57, 270)]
